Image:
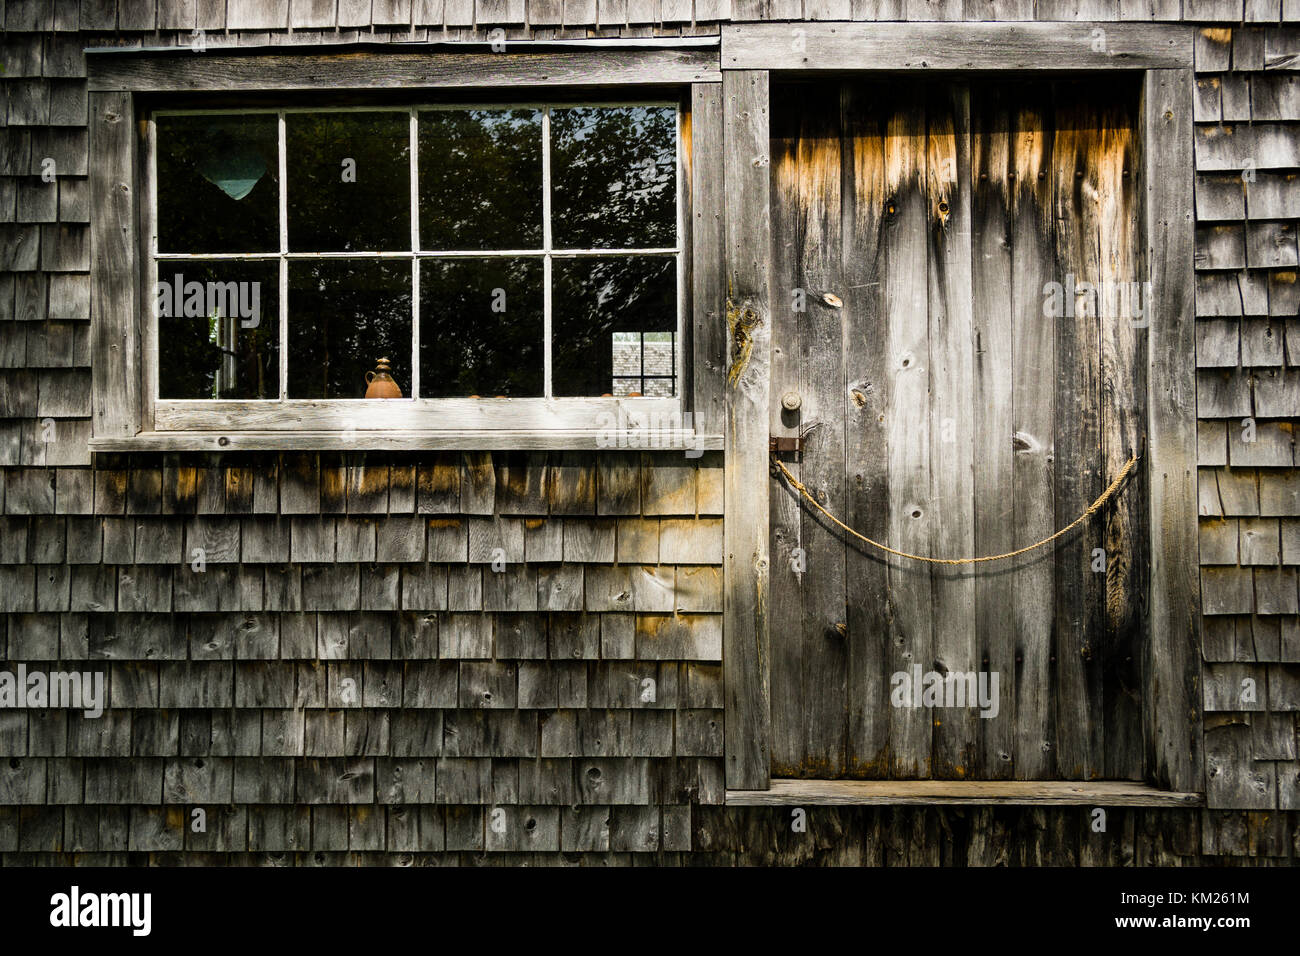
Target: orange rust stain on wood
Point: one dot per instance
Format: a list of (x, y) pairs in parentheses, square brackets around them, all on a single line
[(1029, 150), (817, 191), (941, 168), (870, 180), (187, 485), (239, 483)]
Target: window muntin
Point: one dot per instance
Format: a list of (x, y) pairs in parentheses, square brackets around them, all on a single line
[(455, 273)]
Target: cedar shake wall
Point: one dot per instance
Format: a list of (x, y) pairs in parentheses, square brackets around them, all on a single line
[(349, 680)]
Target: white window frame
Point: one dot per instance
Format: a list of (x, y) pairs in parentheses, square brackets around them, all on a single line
[(544, 413)]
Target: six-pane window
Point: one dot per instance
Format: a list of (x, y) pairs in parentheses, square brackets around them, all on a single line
[(490, 251)]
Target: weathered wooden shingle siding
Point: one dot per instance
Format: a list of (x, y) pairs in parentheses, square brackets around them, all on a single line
[(376, 651), (1248, 398), (521, 691)]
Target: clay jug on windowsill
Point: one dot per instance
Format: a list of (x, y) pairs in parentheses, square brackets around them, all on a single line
[(380, 384)]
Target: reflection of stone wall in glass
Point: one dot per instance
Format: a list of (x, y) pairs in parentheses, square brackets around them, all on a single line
[(627, 368)]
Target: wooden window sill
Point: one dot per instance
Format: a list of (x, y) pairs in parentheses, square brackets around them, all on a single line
[(684, 442), (844, 793)]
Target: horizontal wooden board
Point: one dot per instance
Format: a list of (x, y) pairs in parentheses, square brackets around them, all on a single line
[(955, 46), (1109, 793), (499, 439), (514, 414), (435, 67)]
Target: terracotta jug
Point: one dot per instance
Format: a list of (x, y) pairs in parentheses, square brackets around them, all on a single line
[(380, 384)]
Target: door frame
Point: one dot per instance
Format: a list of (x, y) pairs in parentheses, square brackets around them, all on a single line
[(1172, 712)]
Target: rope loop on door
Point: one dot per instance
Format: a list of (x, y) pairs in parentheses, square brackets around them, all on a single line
[(1092, 509)]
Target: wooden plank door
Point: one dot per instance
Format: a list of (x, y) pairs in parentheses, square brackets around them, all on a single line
[(957, 397)]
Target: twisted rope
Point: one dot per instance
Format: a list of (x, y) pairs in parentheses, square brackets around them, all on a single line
[(1091, 510)]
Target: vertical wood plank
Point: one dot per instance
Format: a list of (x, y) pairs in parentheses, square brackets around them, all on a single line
[(820, 360), (951, 425), (1175, 756), (911, 516), (808, 618), (991, 290), (868, 239), (1078, 636), (1033, 375), (788, 551), (708, 291), (115, 335), (1123, 425), (746, 571)]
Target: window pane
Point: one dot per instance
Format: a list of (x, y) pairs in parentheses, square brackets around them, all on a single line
[(595, 303), (481, 328), (218, 188), (218, 330), (349, 176), (614, 177), (480, 179), (344, 316)]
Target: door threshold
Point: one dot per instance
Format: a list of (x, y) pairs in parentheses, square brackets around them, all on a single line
[(1049, 793)]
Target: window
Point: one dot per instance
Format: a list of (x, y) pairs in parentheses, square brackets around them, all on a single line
[(523, 252)]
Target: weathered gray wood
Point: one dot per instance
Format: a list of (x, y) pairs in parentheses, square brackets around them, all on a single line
[(820, 383), (785, 618), (115, 317), (363, 69), (912, 515), (786, 793), (1172, 724), (708, 290), (1123, 428), (808, 608), (868, 239), (1079, 194), (516, 415), (1034, 367), (966, 46), (951, 428), (748, 313), (391, 439), (992, 135)]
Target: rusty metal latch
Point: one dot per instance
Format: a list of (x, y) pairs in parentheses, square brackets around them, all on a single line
[(785, 443)]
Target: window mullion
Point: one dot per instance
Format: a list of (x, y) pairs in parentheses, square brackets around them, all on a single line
[(547, 386), (284, 262), (415, 259), (680, 242)]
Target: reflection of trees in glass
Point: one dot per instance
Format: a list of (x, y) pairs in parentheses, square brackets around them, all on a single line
[(613, 177), (344, 315), (194, 213), (468, 347), (592, 299), (480, 179), (191, 350), (328, 213)]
